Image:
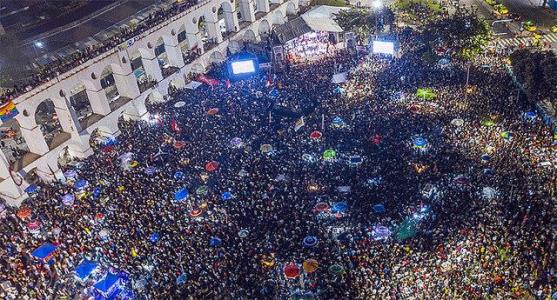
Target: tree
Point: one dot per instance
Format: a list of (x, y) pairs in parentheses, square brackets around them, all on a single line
[(417, 11), (364, 22), (464, 34), (537, 71)]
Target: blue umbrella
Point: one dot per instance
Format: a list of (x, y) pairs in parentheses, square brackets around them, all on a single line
[(68, 199), (110, 141), (340, 207), (488, 171), (337, 121), (226, 196), (150, 171), (80, 184), (530, 115), (70, 174), (181, 279), (179, 175), (444, 61), (154, 237), (215, 241), (379, 208), (97, 192), (355, 160), (31, 189), (485, 157), (181, 194), (310, 241), (420, 142), (273, 93)]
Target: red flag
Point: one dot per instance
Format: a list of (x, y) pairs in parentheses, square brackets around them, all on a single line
[(207, 80), (227, 83), (174, 126)]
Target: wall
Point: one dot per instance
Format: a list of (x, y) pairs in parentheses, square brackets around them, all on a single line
[(89, 74)]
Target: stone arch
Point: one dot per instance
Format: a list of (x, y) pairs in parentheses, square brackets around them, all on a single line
[(202, 27), (249, 36), (47, 118), (138, 68), (291, 9), (227, 17), (79, 100), (264, 28), (216, 57), (155, 97), (235, 46), (162, 57), (12, 143), (278, 17), (198, 68), (183, 43), (108, 83)]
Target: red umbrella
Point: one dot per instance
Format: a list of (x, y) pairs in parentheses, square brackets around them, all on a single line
[(179, 145), (213, 111), (34, 225), (377, 139), (321, 207), (24, 212), (291, 270), (315, 135), (196, 212), (211, 166), (107, 149)]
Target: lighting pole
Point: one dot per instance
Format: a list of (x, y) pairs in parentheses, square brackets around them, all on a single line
[(37, 44), (377, 5)]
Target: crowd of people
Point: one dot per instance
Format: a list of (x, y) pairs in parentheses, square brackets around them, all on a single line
[(53, 69), (402, 182)]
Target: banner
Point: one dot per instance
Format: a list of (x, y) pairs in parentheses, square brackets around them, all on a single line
[(339, 78), (8, 111), (207, 80), (299, 124)]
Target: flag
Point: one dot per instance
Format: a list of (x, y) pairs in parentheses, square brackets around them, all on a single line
[(299, 124), (227, 83), (269, 81), (273, 93), (174, 126), (8, 111), (207, 80)]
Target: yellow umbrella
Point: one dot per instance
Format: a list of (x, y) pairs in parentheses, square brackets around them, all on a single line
[(310, 265)]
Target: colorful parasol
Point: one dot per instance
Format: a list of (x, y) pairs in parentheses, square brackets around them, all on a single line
[(213, 111), (310, 265), (211, 166), (315, 135), (329, 154), (266, 148), (291, 270)]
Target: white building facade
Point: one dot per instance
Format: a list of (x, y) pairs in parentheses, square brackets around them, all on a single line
[(118, 83)]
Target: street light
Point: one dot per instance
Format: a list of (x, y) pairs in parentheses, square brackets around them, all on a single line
[(377, 5), (39, 44)]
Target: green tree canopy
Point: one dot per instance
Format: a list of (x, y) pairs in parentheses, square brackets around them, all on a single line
[(537, 71), (465, 34), (417, 11), (363, 21)]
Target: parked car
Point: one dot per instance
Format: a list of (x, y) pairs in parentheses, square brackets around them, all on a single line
[(529, 26)]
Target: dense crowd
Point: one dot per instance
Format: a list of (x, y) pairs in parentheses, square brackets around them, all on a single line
[(469, 211), (49, 71)]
